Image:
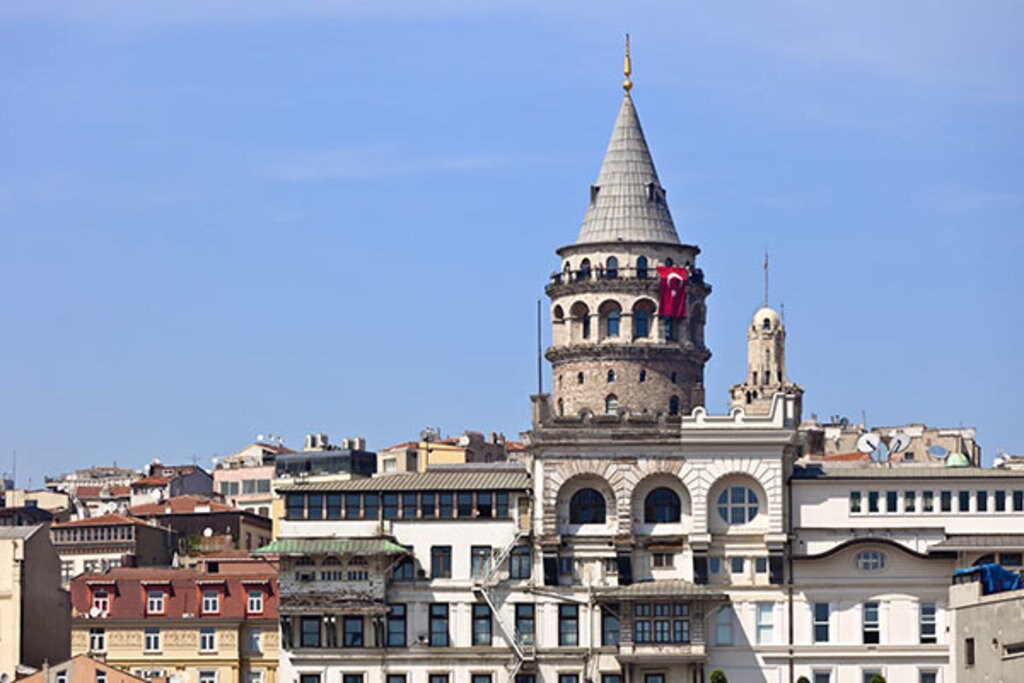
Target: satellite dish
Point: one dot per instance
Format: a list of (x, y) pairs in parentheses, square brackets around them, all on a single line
[(938, 452), (899, 443), (208, 532), (882, 454), (259, 437), (95, 612), (869, 443)]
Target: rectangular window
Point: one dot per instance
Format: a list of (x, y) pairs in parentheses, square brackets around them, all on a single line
[(334, 506), (481, 625), (371, 505), (405, 569), (965, 501), (352, 678), (439, 624), (151, 643), (891, 501), (715, 565), (855, 501), (438, 678), (97, 640), (309, 634), (465, 505), (723, 626), (1011, 559), (568, 678), (868, 674), (501, 505), (309, 678), (395, 678), (765, 623), (207, 640), (821, 622), (480, 678), (761, 565), (928, 677), (479, 561), (946, 501), (969, 651), (484, 506), (681, 623), (822, 677), (663, 560), (519, 562), (427, 503), (568, 625), (441, 562), (872, 501), (1018, 501), (154, 602), (1000, 501), (352, 631), (253, 640), (642, 630), (611, 678), (525, 625), (352, 508), (566, 566), (927, 622), (928, 501), (870, 623), (737, 566), (409, 506), (396, 626), (254, 602), (609, 625), (444, 505), (211, 601), (101, 601), (662, 625), (909, 501), (982, 501), (296, 504), (390, 505)]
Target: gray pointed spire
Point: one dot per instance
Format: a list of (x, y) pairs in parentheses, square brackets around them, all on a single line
[(627, 204)]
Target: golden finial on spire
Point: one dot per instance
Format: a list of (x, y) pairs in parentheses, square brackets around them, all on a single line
[(627, 69)]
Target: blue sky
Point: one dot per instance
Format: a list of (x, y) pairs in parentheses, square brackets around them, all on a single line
[(226, 218)]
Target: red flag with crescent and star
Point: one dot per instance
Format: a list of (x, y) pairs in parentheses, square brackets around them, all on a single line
[(672, 291)]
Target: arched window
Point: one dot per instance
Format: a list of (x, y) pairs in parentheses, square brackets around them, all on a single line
[(748, 397), (586, 327), (586, 506), (669, 262), (561, 408), (643, 376), (612, 324), (641, 324), (673, 378), (673, 405), (611, 404), (767, 324), (737, 505), (579, 378), (611, 268), (332, 561), (611, 375), (584, 272), (641, 268), (579, 315), (558, 314), (661, 506)]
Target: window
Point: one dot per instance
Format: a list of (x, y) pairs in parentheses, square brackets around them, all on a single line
[(101, 601), (965, 501), (928, 677), (67, 570), (438, 678), (427, 502), (568, 625), (870, 623), (611, 268), (207, 640), (765, 623), (761, 565), (464, 504), (296, 504), (309, 678), (670, 329), (927, 622), (982, 501), (822, 677), (501, 504), (519, 562), (405, 568), (641, 324), (611, 375), (854, 501), (484, 507), (872, 501), (211, 601), (396, 626), (610, 625), (390, 505), (352, 678), (870, 561), (579, 378), (525, 623), (946, 501), (154, 602), (409, 506), (309, 632), (481, 625), (611, 678), (663, 560), (821, 622), (927, 501), (101, 676), (480, 678), (673, 405), (439, 624), (737, 505), (314, 506), (441, 562), (642, 631), (254, 604), (612, 324), (1000, 501), (371, 503), (909, 501), (737, 566), (352, 506), (969, 651), (352, 631), (868, 674), (641, 268), (715, 565), (587, 506), (62, 677), (445, 506), (566, 566), (395, 678), (723, 626), (151, 642), (479, 561), (891, 501), (1018, 501), (97, 640), (253, 638), (662, 506), (568, 678), (611, 404), (643, 376)]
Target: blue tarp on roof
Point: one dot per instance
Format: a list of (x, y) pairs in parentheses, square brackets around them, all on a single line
[(994, 579)]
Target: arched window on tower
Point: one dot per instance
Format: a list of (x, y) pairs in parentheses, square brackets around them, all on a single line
[(612, 324), (641, 268), (767, 324), (643, 313), (611, 404), (584, 272), (669, 262), (611, 375), (748, 397), (673, 405), (643, 376), (610, 315), (579, 378), (587, 506), (661, 507), (611, 268)]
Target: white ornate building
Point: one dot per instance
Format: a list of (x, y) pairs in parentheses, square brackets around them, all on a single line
[(641, 539)]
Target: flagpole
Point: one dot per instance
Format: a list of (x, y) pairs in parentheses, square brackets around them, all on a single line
[(540, 380)]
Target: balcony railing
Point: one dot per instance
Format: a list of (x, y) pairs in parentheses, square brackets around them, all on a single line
[(599, 273)]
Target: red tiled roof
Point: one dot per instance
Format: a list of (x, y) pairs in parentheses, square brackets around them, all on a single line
[(96, 491), (150, 481), (848, 457), (514, 446), (103, 520), (404, 444), (181, 505)]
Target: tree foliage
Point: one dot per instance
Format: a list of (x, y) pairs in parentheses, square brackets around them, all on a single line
[(877, 678), (718, 676)]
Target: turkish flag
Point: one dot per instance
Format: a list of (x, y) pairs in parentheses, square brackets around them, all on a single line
[(672, 291)]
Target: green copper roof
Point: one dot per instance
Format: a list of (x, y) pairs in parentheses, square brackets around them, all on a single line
[(332, 546)]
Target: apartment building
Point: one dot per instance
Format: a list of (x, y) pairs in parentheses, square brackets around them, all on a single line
[(95, 544)]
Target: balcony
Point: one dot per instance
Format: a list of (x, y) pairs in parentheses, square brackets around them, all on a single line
[(630, 280), (661, 653)]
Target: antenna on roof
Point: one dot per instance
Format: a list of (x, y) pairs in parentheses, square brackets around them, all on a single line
[(540, 367), (766, 278)]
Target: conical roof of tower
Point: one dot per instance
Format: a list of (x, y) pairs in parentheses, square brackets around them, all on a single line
[(627, 201)]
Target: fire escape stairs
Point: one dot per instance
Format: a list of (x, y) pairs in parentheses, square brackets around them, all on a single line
[(486, 587)]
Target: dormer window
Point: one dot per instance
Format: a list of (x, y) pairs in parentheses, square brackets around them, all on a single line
[(211, 601), (155, 602), (101, 600), (594, 190)]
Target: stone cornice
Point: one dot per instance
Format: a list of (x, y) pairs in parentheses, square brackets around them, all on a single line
[(697, 289), (626, 351)]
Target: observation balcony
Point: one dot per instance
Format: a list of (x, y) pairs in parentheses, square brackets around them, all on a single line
[(625, 279)]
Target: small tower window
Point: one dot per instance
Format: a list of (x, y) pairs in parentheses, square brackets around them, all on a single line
[(579, 378), (584, 272), (613, 324), (641, 324), (641, 268), (560, 381), (673, 405), (611, 375), (673, 378), (767, 376), (586, 327), (767, 324), (669, 262), (670, 329), (611, 404), (561, 408), (611, 268), (643, 376), (753, 377), (748, 397)]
